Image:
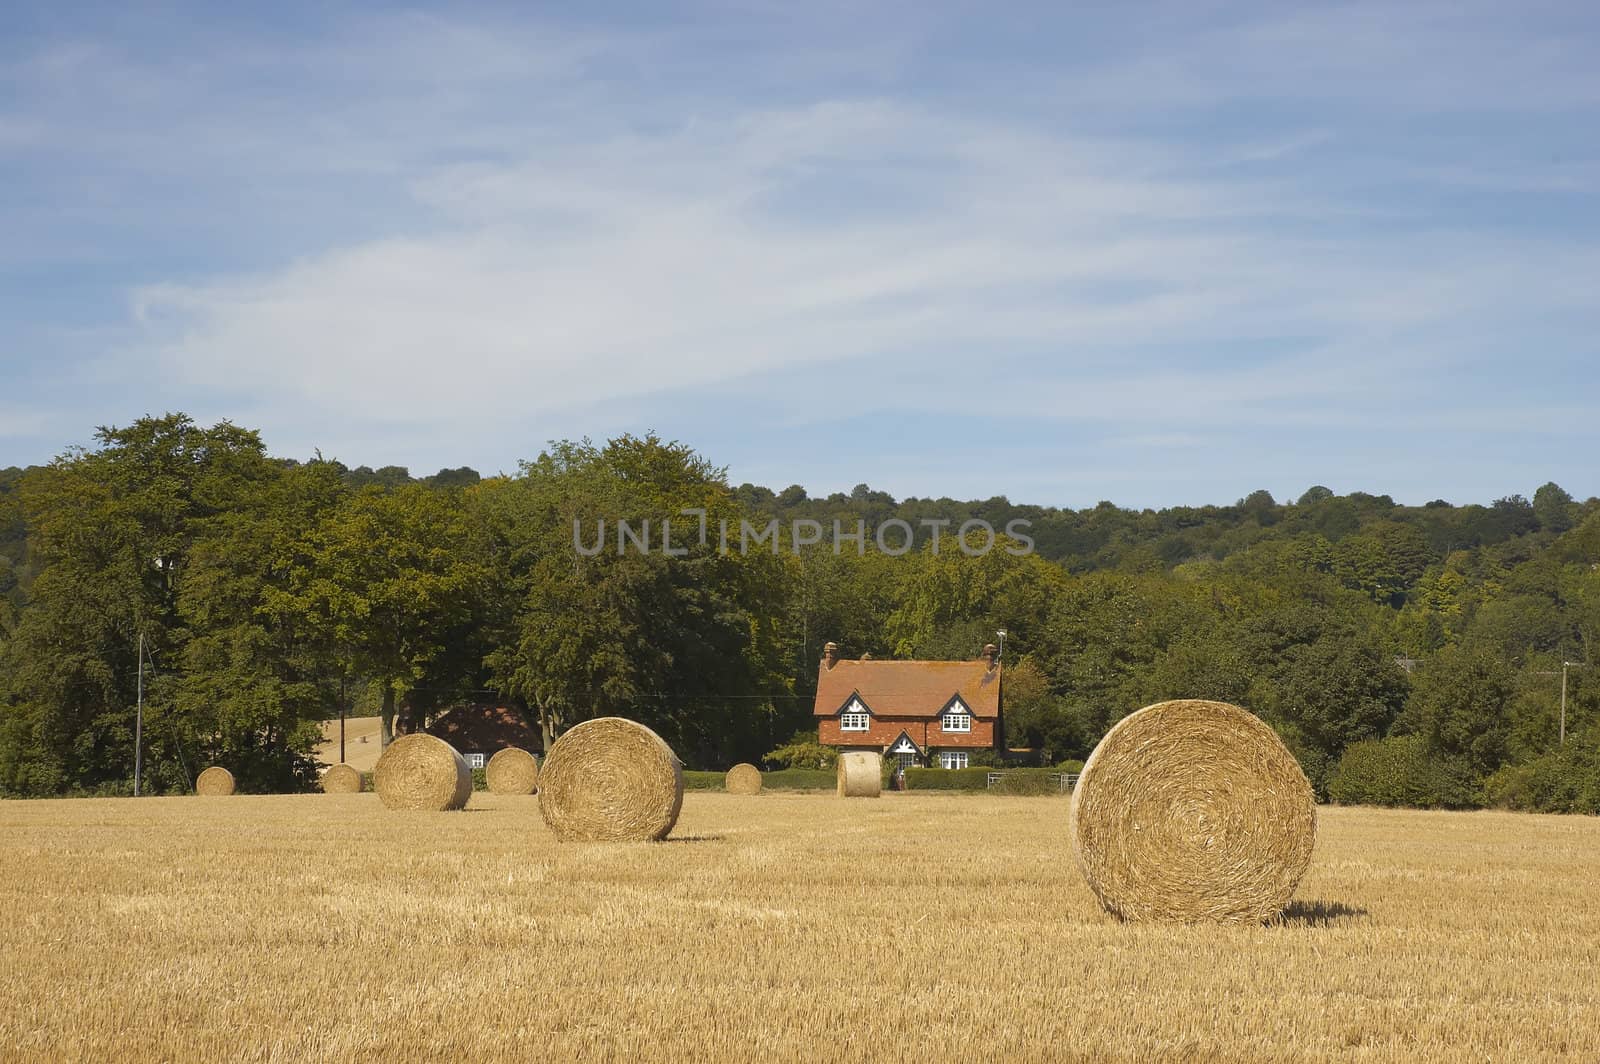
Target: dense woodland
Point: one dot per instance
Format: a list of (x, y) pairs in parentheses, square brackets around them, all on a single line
[(1407, 654)]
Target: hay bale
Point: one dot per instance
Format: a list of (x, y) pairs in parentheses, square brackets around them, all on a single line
[(512, 771), (421, 771), (860, 774), (610, 780), (743, 778), (214, 782), (1193, 811), (341, 779)]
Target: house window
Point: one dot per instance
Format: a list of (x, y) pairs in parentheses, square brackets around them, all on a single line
[(475, 760), (956, 718), (855, 717), (953, 759), (905, 760)]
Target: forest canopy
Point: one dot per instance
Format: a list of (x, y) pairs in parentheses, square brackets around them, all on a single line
[(1407, 654)]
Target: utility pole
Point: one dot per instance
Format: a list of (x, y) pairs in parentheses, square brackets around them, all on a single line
[(138, 724), (1565, 665), (341, 718)]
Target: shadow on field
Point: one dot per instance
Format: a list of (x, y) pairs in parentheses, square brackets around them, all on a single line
[(1318, 913), (694, 838)]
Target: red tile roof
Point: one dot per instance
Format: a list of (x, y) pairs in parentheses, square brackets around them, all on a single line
[(479, 728), (909, 688)]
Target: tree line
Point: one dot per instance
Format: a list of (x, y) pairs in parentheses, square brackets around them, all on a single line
[(1407, 654)]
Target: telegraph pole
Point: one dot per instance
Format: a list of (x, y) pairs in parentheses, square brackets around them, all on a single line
[(341, 718), (138, 724), (1565, 665)]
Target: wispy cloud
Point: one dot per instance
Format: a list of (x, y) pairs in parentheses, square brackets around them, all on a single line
[(426, 235)]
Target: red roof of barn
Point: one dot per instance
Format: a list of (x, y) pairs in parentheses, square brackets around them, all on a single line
[(909, 688), (479, 728)]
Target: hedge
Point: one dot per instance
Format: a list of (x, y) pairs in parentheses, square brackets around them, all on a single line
[(800, 779), (1400, 771), (786, 779), (480, 781), (1011, 781), (1567, 781)]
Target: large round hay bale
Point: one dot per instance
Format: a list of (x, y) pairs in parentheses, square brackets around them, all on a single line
[(214, 782), (860, 774), (341, 779), (512, 771), (421, 771), (1193, 811), (743, 778), (610, 780)]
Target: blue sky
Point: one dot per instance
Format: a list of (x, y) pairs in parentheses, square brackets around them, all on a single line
[(1159, 256)]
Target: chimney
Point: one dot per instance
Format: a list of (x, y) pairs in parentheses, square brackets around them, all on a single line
[(991, 652), (830, 655)]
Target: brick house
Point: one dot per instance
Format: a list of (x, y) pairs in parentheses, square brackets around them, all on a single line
[(916, 713)]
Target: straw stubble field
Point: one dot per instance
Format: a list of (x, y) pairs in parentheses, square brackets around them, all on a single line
[(780, 926)]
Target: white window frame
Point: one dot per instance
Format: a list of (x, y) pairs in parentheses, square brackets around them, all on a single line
[(854, 717), (949, 759), (475, 760), (957, 718)]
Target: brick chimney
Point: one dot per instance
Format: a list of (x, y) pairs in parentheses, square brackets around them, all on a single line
[(830, 655), (991, 652)]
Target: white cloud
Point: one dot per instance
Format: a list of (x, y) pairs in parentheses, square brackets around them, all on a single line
[(725, 248), (494, 225)]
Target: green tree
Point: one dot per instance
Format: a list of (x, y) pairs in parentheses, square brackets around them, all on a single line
[(1553, 508), (803, 751), (391, 582), (1461, 704), (111, 531), (688, 641), (258, 673), (1333, 692)]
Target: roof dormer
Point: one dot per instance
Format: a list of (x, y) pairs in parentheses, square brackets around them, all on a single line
[(855, 715)]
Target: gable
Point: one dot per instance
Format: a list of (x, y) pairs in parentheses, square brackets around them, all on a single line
[(853, 704), (955, 705), (919, 689), (905, 745)]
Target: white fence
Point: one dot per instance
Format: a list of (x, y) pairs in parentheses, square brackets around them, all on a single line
[(1064, 780)]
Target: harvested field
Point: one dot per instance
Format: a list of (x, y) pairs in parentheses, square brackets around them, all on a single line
[(322, 926)]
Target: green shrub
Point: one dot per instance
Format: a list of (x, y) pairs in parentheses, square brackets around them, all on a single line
[(947, 779), (1030, 781), (1401, 771), (480, 781), (804, 751), (1564, 782), (1074, 767), (799, 779), (787, 779), (1011, 781)]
